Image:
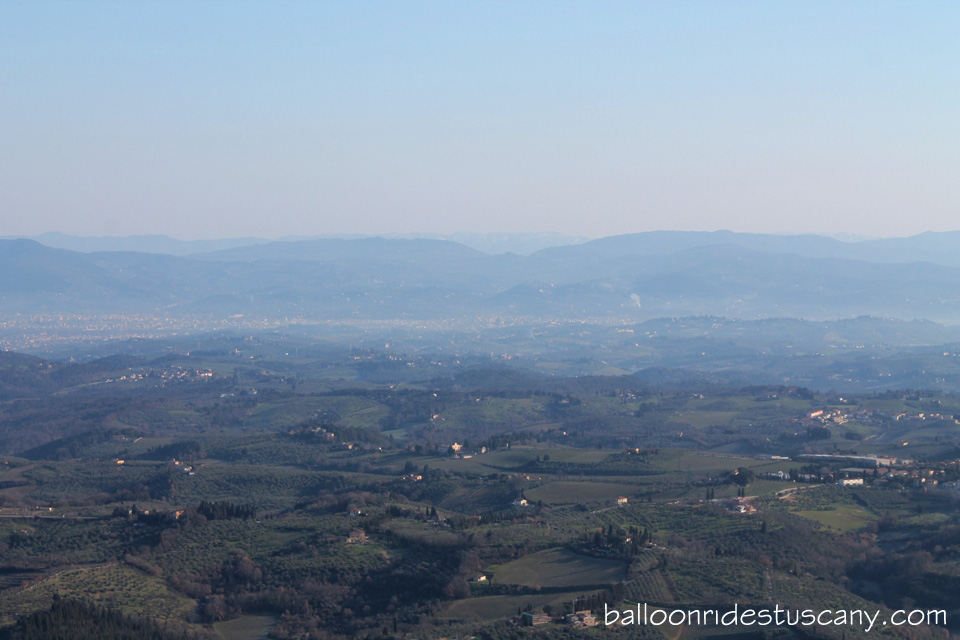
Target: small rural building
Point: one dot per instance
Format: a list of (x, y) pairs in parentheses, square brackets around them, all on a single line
[(531, 619), (357, 536)]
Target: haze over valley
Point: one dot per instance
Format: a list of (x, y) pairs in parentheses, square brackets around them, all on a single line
[(522, 320)]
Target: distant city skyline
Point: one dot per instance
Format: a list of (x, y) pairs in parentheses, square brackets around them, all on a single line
[(224, 120)]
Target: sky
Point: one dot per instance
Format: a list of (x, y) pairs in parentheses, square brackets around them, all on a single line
[(206, 119)]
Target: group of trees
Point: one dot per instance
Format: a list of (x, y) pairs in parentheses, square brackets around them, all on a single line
[(79, 620), (741, 476), (226, 510), (627, 542)]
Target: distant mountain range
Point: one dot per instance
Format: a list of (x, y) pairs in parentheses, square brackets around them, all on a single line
[(143, 243), (491, 243), (629, 277)]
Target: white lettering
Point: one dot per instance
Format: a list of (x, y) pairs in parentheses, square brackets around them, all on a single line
[(606, 615)]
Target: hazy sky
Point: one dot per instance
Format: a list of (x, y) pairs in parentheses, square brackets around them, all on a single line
[(213, 119)]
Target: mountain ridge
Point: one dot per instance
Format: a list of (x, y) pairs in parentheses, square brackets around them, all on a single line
[(628, 277)]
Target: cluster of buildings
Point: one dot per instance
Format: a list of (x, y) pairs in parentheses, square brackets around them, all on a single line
[(457, 451), (923, 478), (577, 619), (173, 374), (878, 470), (318, 431), (243, 393), (869, 417), (865, 462), (738, 505), (837, 416), (925, 416), (42, 331), (819, 417), (186, 468)]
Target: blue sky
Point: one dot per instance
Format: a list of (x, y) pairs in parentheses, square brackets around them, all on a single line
[(213, 119)]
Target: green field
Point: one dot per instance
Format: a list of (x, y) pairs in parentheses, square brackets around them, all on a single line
[(701, 419), (347, 410), (559, 568), (844, 517), (520, 455), (572, 492), (246, 627), (493, 607), (513, 458), (491, 411), (113, 585), (692, 461)]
